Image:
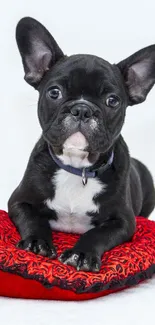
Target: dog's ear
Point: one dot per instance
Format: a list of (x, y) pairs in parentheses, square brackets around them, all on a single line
[(138, 71), (38, 49)]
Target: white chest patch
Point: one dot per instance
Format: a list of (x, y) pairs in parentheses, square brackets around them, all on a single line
[(72, 201)]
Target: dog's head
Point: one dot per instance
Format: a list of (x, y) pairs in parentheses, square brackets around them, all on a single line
[(82, 98)]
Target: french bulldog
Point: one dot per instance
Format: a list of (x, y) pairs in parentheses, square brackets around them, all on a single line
[(80, 177)]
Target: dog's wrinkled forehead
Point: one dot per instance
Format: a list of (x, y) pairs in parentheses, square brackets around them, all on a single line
[(82, 74)]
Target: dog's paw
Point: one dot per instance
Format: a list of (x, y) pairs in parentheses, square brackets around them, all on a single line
[(38, 246), (82, 261)]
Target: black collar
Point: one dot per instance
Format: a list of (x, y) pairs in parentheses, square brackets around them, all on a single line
[(85, 172)]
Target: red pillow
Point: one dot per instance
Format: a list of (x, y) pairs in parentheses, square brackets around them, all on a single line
[(26, 275)]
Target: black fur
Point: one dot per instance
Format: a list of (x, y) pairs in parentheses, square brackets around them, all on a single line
[(130, 189)]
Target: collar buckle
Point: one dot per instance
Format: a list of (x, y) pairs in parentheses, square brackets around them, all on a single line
[(84, 178)]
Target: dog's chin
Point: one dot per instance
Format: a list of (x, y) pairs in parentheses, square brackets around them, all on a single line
[(76, 142), (74, 151)]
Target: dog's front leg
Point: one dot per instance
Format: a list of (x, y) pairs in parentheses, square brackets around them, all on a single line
[(34, 229), (86, 254)]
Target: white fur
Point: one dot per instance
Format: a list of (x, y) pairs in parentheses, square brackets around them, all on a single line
[(72, 201), (74, 153)]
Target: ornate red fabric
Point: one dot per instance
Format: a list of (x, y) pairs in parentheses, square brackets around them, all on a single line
[(26, 275)]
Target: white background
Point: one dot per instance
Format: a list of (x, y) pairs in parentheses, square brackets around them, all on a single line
[(112, 30)]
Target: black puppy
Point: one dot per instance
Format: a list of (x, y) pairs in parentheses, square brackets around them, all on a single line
[(80, 177)]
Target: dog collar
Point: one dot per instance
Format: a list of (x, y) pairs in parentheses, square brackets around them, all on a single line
[(84, 172)]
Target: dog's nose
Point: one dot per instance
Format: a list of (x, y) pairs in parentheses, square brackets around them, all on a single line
[(81, 112)]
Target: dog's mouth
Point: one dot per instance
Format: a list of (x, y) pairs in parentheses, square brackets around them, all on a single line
[(76, 141), (76, 145)]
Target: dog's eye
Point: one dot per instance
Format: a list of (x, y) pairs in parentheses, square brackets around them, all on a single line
[(55, 93), (113, 101)]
